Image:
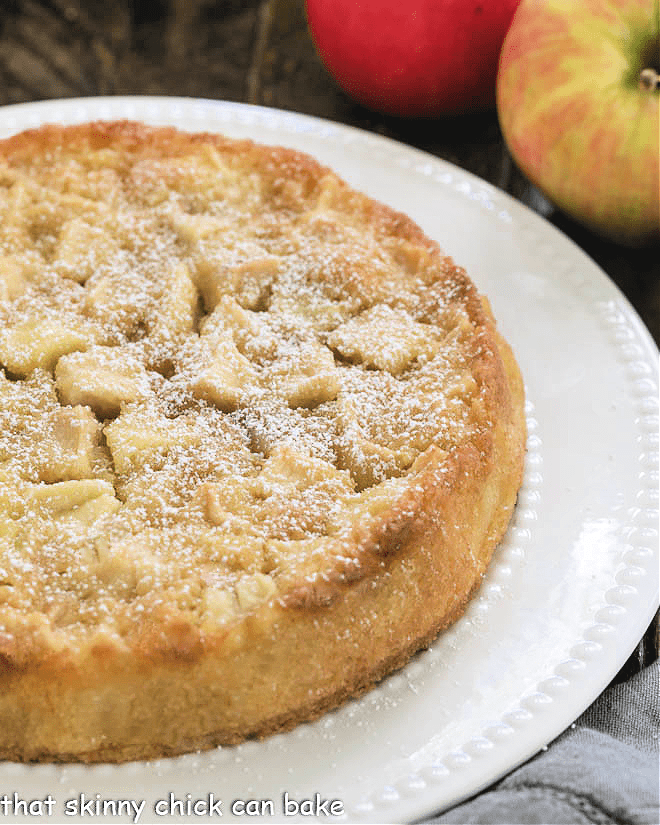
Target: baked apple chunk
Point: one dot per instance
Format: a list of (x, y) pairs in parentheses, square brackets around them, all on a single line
[(74, 452), (226, 378), (39, 343), (102, 378), (82, 248), (385, 339)]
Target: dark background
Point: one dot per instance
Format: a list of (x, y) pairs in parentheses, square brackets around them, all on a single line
[(259, 51)]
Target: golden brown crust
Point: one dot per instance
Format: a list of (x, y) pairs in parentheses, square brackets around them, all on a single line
[(304, 445)]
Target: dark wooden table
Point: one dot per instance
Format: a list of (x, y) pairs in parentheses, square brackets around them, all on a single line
[(259, 51)]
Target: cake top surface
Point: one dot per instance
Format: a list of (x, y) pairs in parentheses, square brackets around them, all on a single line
[(220, 367)]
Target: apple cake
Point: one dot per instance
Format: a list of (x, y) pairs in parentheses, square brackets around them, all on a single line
[(259, 438)]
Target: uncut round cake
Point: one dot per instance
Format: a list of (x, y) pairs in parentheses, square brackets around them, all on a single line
[(259, 438)]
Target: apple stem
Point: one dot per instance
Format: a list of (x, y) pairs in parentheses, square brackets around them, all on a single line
[(649, 80)]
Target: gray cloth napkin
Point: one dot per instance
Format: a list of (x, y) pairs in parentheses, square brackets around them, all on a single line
[(603, 769)]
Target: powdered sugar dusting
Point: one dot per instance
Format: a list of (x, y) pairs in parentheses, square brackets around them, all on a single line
[(205, 363)]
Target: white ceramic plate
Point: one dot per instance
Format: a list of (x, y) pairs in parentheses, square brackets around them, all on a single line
[(574, 584)]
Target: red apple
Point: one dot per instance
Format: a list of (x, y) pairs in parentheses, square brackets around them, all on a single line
[(577, 96), (412, 57)]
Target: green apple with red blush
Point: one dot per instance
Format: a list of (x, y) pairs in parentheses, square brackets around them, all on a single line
[(578, 90)]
